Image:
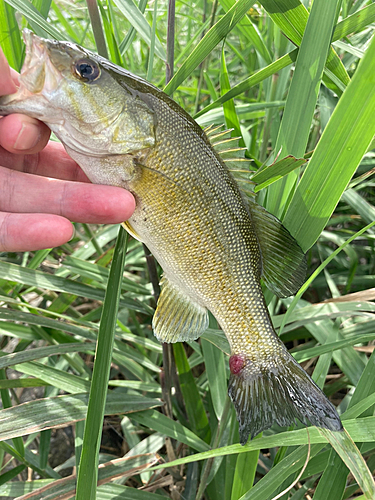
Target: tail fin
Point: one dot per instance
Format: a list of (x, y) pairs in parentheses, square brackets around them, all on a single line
[(277, 390)]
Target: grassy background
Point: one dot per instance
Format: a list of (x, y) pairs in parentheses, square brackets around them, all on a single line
[(290, 78)]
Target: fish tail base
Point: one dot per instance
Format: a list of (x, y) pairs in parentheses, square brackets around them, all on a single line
[(277, 391)]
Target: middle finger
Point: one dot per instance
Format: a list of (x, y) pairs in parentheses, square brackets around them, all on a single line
[(79, 202)]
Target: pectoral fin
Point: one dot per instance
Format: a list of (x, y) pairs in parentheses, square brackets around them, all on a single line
[(177, 318), (129, 228), (283, 261)]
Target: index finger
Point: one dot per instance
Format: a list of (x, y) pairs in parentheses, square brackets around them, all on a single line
[(53, 161), (7, 80)]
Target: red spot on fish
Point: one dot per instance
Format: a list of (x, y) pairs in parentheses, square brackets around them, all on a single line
[(236, 363)]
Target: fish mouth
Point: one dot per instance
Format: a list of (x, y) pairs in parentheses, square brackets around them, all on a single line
[(38, 74), (41, 78)]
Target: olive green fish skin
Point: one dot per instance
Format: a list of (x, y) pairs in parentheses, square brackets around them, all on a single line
[(194, 221), (190, 213)]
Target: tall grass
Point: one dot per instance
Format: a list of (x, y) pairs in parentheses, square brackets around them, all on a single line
[(292, 79)]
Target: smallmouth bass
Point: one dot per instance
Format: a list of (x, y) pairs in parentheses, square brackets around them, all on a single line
[(213, 243)]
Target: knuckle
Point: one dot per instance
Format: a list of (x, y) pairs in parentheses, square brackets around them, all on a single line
[(4, 233)]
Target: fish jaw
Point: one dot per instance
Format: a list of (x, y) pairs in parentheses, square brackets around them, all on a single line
[(38, 73), (39, 80)]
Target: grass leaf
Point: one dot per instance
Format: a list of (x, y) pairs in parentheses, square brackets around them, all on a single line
[(139, 23), (341, 147), (208, 43), (88, 469)]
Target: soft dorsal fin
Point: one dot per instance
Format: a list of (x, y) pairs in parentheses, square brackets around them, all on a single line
[(177, 318), (283, 261)]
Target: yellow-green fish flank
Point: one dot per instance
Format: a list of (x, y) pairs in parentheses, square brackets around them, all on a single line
[(213, 242)]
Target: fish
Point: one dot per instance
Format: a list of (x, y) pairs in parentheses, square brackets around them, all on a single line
[(214, 243)]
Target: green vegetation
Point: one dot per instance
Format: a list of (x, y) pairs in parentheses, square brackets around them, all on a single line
[(291, 79)]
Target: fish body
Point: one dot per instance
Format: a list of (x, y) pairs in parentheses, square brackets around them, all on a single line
[(212, 242)]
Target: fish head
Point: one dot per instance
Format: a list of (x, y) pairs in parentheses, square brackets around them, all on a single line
[(84, 99)]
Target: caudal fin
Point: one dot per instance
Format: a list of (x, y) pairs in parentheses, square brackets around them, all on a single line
[(277, 391)]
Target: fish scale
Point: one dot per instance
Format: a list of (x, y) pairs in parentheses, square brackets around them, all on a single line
[(213, 242)]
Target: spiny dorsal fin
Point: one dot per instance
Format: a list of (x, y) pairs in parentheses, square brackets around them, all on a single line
[(283, 261), (230, 152)]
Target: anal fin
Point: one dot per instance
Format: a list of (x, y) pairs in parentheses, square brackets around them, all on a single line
[(177, 318)]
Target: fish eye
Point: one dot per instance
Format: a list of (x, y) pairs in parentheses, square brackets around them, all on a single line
[(86, 70)]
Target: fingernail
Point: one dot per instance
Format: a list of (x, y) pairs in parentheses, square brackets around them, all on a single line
[(28, 137), (73, 233)]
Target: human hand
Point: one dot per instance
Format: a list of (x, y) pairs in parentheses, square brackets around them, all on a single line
[(42, 189)]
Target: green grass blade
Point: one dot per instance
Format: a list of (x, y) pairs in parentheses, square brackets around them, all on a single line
[(257, 77), (361, 430), (365, 406), (78, 440), (115, 57), (343, 29), (43, 6), (247, 29), (231, 118), (65, 381), (193, 401), (42, 352), (331, 346), (7, 403), (138, 21), (33, 16), (32, 277), (97, 28), (30, 460), (355, 22), (88, 469), (127, 41), (34, 319), (23, 382), (299, 109), (118, 491), (63, 410), (359, 205), (208, 43), (11, 474), (366, 385), (285, 469), (44, 448), (351, 456), (216, 374), (161, 423), (122, 467), (276, 171), (152, 44), (341, 147), (65, 24), (292, 17), (11, 42), (244, 474), (364, 392), (316, 272)]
